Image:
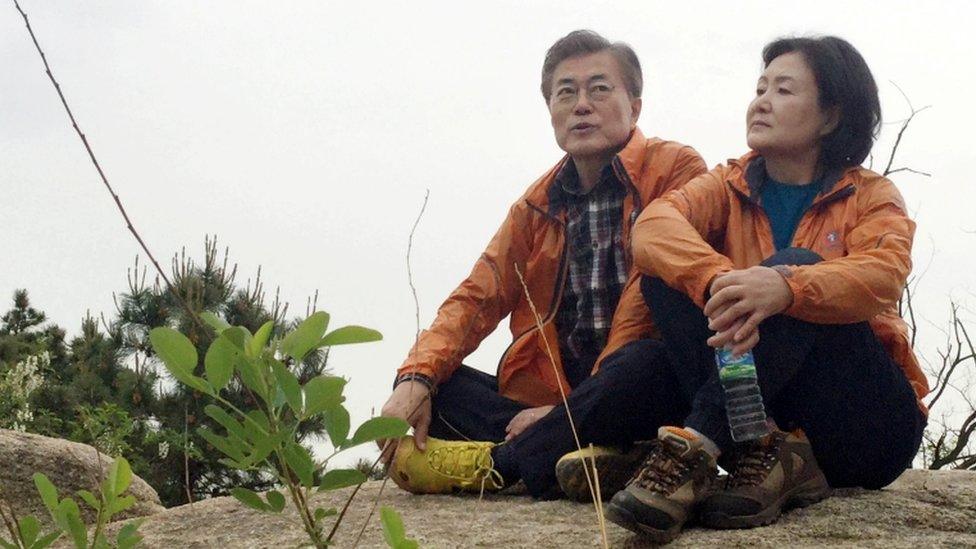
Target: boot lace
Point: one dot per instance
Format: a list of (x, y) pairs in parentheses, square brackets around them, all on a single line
[(754, 462), (662, 471)]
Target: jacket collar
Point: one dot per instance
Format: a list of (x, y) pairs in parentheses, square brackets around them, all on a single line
[(748, 174), (630, 158)]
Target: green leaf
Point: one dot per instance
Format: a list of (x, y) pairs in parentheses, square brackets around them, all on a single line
[(323, 393), (239, 336), (46, 541), (219, 362), (393, 531), (179, 356), (227, 446), (226, 421), (49, 494), (337, 425), (121, 474), (379, 428), (29, 527), (90, 499), (300, 461), (289, 385), (306, 336), (341, 478), (349, 334), (276, 501), (68, 518), (407, 544), (261, 338), (256, 426), (129, 535), (214, 321), (249, 498), (264, 447), (121, 504), (174, 348), (7, 545), (253, 377), (321, 513)]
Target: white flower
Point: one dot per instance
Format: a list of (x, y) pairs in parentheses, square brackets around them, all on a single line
[(16, 386), (163, 449)]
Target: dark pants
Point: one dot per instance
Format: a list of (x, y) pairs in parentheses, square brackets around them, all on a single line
[(836, 382), (627, 400)]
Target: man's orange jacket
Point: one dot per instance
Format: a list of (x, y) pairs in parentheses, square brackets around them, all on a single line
[(532, 241), (715, 224)]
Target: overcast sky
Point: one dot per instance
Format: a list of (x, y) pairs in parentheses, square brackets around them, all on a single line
[(305, 134)]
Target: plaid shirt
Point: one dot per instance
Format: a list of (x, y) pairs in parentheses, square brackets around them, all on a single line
[(597, 266)]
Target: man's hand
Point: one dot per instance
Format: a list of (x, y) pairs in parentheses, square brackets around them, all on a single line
[(740, 300), (410, 401), (523, 420)]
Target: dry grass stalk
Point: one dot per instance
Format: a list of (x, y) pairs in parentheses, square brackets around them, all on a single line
[(594, 489)]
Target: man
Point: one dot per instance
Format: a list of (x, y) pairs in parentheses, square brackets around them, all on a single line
[(563, 252)]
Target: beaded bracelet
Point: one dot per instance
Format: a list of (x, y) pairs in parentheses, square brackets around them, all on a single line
[(421, 378)]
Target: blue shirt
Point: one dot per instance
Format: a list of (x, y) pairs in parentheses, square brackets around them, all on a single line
[(784, 206)]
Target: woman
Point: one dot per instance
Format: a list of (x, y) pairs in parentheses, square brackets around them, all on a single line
[(795, 252)]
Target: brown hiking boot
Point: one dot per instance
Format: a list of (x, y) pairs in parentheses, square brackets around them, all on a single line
[(614, 468), (661, 497), (768, 476)]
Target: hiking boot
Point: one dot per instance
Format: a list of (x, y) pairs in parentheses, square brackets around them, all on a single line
[(767, 476), (613, 467), (446, 466), (663, 494)]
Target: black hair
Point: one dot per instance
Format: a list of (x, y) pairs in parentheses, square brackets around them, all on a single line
[(584, 42)]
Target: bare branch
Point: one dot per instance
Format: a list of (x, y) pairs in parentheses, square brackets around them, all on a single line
[(413, 289), (894, 149), (926, 174), (101, 173)]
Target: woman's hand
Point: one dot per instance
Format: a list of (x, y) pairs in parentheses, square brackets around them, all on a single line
[(740, 300), (525, 419)]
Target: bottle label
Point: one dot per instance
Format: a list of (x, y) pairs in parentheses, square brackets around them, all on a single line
[(730, 368)]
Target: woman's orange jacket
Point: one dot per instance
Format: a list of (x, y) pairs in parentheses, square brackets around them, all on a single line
[(532, 238), (716, 224)]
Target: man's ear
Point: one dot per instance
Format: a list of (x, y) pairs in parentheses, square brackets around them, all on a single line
[(635, 110), (831, 121)]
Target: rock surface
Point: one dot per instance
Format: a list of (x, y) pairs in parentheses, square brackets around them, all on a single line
[(71, 466), (921, 509)]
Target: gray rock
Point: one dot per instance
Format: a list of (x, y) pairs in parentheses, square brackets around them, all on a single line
[(921, 509), (71, 466)]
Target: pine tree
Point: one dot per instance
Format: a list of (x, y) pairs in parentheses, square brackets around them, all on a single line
[(209, 286)]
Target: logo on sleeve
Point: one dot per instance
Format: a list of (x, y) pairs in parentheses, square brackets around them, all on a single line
[(832, 240)]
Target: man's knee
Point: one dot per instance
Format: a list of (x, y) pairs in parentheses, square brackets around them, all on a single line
[(634, 359)]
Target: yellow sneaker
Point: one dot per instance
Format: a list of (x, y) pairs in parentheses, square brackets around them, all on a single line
[(447, 466)]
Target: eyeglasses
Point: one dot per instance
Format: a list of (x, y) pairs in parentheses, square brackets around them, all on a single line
[(568, 95)]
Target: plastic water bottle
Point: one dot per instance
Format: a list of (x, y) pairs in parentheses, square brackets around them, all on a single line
[(743, 401)]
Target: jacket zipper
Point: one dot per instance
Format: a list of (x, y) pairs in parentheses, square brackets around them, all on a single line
[(557, 295)]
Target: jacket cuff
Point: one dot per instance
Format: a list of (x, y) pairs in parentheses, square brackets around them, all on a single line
[(700, 292), (799, 301)]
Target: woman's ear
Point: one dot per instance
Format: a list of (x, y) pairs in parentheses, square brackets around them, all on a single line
[(831, 121)]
